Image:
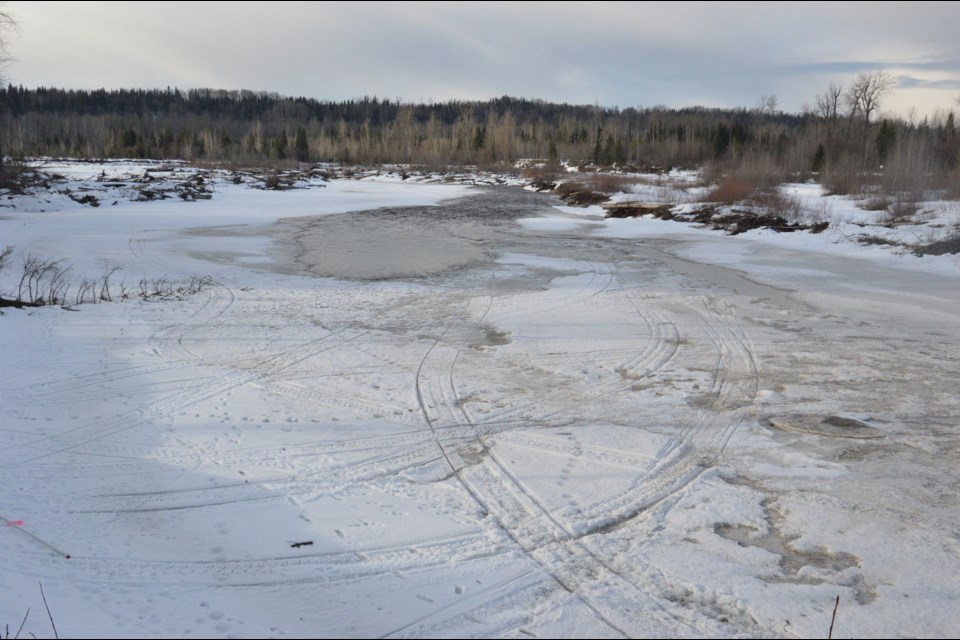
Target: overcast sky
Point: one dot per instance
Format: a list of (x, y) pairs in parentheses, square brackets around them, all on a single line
[(616, 54)]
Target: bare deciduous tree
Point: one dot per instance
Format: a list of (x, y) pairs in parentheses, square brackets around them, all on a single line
[(863, 99), (828, 102), (865, 93), (767, 104)]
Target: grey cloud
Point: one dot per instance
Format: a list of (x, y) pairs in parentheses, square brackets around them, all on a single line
[(857, 66), (623, 54), (910, 82)]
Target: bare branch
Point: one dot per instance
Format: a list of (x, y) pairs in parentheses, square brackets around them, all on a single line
[(866, 92), (49, 615), (21, 625), (828, 102), (833, 618), (105, 294), (9, 28), (5, 256), (767, 104)]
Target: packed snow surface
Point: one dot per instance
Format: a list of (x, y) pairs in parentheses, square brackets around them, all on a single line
[(411, 409)]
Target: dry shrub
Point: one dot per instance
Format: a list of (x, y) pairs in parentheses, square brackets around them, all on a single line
[(876, 202), (16, 177), (731, 189), (902, 211), (843, 182), (614, 183), (668, 194), (770, 201), (541, 178), (735, 182), (773, 203), (566, 188), (907, 173), (539, 171), (777, 205), (951, 185)]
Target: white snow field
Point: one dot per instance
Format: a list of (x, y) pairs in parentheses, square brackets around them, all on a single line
[(487, 418)]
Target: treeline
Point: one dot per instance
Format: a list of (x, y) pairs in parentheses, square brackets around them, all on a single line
[(259, 127), (246, 126)]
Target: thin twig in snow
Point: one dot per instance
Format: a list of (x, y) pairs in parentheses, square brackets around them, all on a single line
[(833, 619), (21, 624), (49, 615)]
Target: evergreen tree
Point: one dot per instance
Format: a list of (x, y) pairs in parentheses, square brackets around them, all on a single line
[(280, 145), (301, 149), (885, 140), (819, 159)]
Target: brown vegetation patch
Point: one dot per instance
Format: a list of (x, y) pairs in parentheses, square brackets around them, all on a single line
[(731, 189)]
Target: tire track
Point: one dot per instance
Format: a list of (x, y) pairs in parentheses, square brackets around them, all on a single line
[(737, 377), (674, 469), (699, 444), (320, 567), (529, 523)]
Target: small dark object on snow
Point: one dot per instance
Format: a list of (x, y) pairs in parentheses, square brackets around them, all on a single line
[(89, 199), (297, 545)]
